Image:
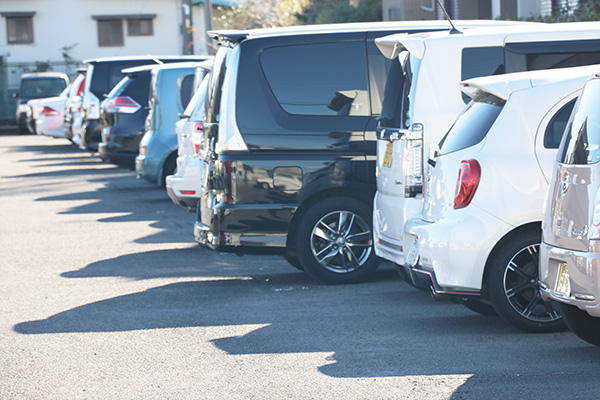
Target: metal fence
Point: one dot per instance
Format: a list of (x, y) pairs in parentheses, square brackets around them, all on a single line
[(10, 77)]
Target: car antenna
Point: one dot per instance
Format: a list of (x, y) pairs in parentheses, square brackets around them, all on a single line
[(454, 30), (156, 60)]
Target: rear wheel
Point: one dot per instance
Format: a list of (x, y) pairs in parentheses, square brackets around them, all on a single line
[(334, 241), (581, 323), (512, 281)]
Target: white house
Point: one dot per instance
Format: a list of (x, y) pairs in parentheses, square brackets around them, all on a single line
[(52, 30)]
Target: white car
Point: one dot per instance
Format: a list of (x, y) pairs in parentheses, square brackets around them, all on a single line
[(478, 235), (570, 249), (48, 114), (73, 117), (185, 185), (428, 99)]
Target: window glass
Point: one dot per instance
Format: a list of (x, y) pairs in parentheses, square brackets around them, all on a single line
[(392, 96), (110, 33), (43, 87), (561, 60), (582, 136), (214, 85), (195, 108), (139, 27), (472, 126), (319, 79), (186, 90), (19, 30), (481, 61), (557, 125)]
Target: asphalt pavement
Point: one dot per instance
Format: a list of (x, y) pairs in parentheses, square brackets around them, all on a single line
[(105, 295)]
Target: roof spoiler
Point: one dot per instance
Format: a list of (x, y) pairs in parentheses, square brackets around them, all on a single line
[(228, 37)]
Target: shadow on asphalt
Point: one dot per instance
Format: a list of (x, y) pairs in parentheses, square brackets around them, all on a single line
[(383, 337)]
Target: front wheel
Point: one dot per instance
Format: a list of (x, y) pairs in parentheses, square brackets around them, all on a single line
[(334, 241), (581, 323), (512, 281)]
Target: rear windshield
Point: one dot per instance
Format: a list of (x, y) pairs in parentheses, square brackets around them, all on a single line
[(582, 137), (195, 108), (399, 91), (472, 126), (36, 88), (135, 86)]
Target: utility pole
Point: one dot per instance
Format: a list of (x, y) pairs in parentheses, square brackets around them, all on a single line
[(186, 27), (208, 22)]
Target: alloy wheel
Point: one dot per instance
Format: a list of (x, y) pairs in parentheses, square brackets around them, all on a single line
[(341, 241), (521, 287)]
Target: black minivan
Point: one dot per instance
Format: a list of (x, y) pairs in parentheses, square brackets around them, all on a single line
[(290, 144)]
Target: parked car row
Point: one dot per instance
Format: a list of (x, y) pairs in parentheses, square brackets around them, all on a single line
[(337, 146)]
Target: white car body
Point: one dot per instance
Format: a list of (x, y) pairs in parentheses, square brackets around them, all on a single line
[(450, 243), (435, 102), (184, 187), (73, 109), (49, 114), (570, 250)]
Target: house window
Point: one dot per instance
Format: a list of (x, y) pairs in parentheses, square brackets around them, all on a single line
[(110, 33), (139, 27), (19, 27)]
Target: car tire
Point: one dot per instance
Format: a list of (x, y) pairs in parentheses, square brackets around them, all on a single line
[(294, 262), (334, 241), (477, 305), (581, 323), (512, 283), (169, 168)]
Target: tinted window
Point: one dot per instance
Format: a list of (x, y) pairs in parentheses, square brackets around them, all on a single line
[(582, 136), (135, 86), (186, 90), (42, 87), (472, 126), (319, 79), (481, 61), (392, 96), (213, 96), (107, 75), (557, 125)]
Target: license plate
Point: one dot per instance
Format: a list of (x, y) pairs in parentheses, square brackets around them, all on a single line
[(413, 254), (563, 283), (387, 157)]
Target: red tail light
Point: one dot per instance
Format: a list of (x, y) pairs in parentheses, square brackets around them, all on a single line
[(188, 192), (197, 137), (468, 181), (48, 112), (81, 86), (124, 105)]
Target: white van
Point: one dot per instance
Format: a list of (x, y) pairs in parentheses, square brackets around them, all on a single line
[(423, 98)]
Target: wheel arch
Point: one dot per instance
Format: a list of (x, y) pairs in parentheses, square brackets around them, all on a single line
[(530, 226), (355, 193)]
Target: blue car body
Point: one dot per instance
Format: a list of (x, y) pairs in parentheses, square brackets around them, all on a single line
[(172, 86)]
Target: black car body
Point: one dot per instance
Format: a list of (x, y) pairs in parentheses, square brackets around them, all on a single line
[(102, 75), (290, 133), (123, 115)]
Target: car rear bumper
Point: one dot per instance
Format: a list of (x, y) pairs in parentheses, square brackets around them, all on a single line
[(583, 277), (242, 227), (454, 249)]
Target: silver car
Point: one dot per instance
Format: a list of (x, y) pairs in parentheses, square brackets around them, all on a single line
[(570, 252)]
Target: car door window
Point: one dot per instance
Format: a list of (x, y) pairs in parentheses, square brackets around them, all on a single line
[(319, 79)]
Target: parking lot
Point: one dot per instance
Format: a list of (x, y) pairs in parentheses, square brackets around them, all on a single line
[(105, 294)]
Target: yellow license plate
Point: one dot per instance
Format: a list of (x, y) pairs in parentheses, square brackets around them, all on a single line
[(563, 282), (387, 157)]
